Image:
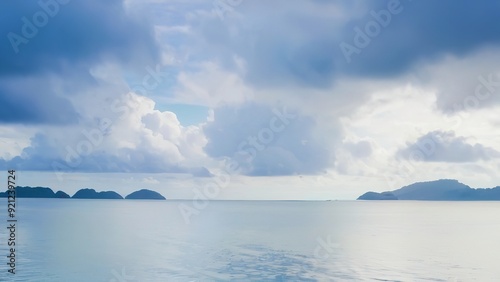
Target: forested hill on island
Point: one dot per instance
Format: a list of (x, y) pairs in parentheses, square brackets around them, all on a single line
[(439, 190), (86, 193)]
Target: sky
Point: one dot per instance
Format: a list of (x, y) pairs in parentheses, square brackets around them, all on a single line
[(238, 99)]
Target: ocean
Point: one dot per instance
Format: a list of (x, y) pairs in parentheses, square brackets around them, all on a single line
[(125, 240)]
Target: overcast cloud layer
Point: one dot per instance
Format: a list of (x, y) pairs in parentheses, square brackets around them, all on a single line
[(312, 88)]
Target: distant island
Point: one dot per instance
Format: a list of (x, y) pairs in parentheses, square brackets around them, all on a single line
[(86, 193), (439, 190), (36, 192), (145, 194)]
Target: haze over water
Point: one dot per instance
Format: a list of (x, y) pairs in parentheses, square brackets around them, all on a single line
[(112, 240)]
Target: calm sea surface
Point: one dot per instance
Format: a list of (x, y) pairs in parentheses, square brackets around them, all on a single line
[(118, 240)]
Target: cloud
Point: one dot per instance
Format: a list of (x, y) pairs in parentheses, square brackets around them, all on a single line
[(200, 172), (444, 146), (212, 86), (270, 42), (299, 43), (422, 31), (49, 47), (150, 180), (77, 33), (463, 84), (264, 140), (34, 101), (361, 149), (129, 136), (293, 53)]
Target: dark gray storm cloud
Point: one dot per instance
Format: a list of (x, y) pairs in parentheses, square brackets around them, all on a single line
[(61, 38), (76, 33), (305, 43), (420, 30), (33, 101), (445, 146)]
